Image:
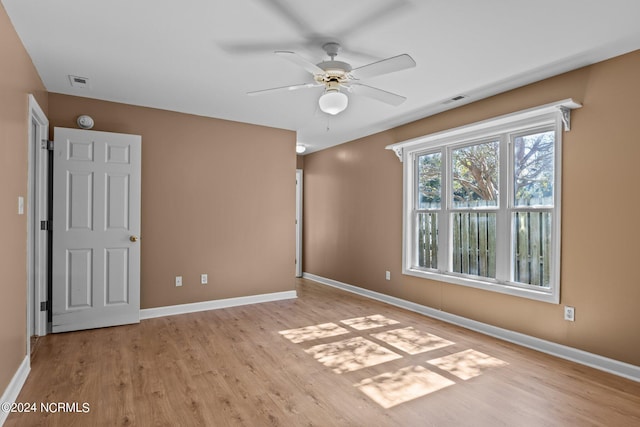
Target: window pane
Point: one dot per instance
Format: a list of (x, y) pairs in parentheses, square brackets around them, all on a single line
[(534, 174), (474, 243), (475, 175), (532, 248), (429, 178), (428, 240)]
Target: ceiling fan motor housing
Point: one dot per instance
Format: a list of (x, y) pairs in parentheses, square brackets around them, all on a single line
[(333, 71)]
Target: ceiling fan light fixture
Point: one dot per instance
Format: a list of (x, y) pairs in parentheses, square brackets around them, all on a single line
[(333, 102)]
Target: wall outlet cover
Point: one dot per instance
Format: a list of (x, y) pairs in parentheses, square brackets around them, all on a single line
[(569, 313)]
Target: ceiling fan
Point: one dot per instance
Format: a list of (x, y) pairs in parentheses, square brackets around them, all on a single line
[(338, 77)]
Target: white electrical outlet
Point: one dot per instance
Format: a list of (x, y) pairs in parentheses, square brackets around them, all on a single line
[(387, 275), (204, 279), (569, 313), (178, 280)]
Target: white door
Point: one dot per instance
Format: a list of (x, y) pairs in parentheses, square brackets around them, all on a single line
[(96, 228)]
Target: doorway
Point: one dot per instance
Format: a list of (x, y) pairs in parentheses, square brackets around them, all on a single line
[(299, 222), (38, 219), (118, 275)]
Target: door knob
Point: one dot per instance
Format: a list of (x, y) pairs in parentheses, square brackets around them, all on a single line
[(133, 238)]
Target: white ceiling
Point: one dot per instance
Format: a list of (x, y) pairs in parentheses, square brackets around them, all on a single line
[(203, 56)]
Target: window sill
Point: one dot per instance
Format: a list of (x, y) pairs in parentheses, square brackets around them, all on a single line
[(544, 295)]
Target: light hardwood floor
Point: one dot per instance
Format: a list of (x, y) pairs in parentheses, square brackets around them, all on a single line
[(255, 366)]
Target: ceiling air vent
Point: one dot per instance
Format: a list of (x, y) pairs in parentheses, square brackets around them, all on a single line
[(79, 82), (455, 99)]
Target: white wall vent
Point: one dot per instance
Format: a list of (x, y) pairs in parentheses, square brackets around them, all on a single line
[(79, 82), (455, 99)]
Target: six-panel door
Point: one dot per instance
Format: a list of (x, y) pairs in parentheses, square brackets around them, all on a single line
[(96, 229)]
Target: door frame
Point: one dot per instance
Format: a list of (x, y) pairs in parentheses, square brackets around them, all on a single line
[(38, 210), (299, 188)]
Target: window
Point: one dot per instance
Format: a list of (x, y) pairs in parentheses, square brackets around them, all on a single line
[(482, 204)]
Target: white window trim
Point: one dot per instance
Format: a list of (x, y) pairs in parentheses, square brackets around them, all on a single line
[(558, 112)]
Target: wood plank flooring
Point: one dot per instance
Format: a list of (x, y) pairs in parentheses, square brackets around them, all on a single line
[(256, 366)]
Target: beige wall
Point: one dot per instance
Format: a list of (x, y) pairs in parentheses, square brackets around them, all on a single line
[(218, 197), (353, 215), (18, 78)]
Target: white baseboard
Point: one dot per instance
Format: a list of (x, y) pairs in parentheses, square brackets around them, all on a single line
[(602, 363), (13, 389), (171, 310)]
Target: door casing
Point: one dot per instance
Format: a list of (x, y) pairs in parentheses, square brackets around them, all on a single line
[(37, 211), (299, 188)]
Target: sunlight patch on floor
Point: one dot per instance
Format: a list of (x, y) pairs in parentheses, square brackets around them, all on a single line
[(351, 354), (411, 340), (466, 364), (309, 333), (369, 322), (393, 388)]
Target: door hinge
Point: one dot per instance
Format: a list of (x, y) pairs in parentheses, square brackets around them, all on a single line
[(45, 306), (46, 145), (45, 225)]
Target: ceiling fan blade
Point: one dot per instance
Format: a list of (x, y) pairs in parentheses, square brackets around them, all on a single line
[(264, 47), (284, 88), (371, 16), (385, 66), (375, 93), (300, 61), (285, 11)]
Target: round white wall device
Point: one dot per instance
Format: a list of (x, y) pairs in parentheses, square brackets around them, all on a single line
[(85, 122)]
